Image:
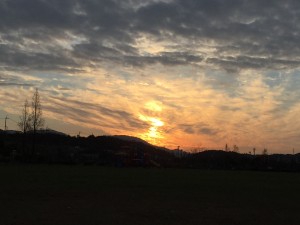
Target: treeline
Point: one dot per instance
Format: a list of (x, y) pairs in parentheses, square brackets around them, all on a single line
[(111, 151), (218, 159)]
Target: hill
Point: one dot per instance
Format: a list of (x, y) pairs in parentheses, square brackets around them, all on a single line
[(130, 138), (56, 147)]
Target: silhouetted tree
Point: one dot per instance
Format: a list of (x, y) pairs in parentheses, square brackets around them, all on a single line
[(36, 117), (265, 151), (235, 148), (25, 119), (24, 123)]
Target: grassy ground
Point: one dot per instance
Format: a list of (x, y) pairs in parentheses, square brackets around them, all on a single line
[(87, 195)]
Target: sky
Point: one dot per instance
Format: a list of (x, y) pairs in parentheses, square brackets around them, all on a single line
[(191, 73)]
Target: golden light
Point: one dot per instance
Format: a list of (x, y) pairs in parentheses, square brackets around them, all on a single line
[(153, 134), (156, 122), (153, 106)]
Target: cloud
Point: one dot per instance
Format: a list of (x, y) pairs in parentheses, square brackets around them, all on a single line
[(220, 70), (236, 35), (92, 114), (193, 112), (198, 128), (11, 80)]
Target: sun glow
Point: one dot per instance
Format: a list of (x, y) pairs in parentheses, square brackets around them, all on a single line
[(153, 106), (154, 133), (156, 122)]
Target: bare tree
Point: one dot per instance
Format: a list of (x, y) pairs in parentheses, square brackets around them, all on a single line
[(25, 119), (25, 123), (36, 117), (235, 148)]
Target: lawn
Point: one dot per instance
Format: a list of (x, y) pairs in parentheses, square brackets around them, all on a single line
[(88, 195)]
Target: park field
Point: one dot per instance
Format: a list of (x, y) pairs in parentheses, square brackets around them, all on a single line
[(88, 195)]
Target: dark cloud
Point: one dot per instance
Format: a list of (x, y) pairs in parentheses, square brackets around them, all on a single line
[(26, 60), (229, 108), (207, 131), (9, 80), (200, 128), (246, 34), (64, 89), (90, 113), (14, 84), (165, 58), (246, 62)]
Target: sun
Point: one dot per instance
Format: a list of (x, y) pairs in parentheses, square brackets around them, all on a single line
[(156, 122)]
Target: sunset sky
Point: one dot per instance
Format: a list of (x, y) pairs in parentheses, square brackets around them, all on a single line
[(188, 73)]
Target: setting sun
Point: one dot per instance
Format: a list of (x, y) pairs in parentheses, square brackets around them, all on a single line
[(156, 122)]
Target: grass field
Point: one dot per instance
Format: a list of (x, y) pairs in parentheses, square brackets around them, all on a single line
[(87, 195)]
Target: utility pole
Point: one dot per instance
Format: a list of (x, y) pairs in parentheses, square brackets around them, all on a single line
[(5, 126)]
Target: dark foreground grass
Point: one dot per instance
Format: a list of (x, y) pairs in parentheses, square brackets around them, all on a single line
[(87, 195)]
